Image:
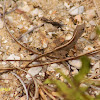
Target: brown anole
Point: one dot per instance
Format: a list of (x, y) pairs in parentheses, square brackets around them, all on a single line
[(77, 34)]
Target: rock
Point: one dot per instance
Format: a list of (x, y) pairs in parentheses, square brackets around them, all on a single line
[(25, 38), (75, 71), (96, 66), (88, 48), (66, 5), (33, 71), (44, 43), (83, 85), (92, 35), (51, 34), (4, 63), (34, 56), (76, 63), (52, 67), (13, 57), (76, 10), (89, 14), (22, 5), (5, 41), (92, 23), (68, 37), (10, 18), (30, 39), (1, 24), (37, 12)]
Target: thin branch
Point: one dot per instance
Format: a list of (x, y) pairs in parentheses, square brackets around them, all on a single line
[(60, 60), (42, 94), (21, 44), (36, 87), (97, 6), (94, 76), (68, 58), (52, 97), (22, 84), (32, 29), (36, 95), (16, 60)]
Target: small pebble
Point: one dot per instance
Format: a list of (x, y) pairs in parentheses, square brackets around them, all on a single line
[(66, 5), (76, 10), (1, 24), (37, 12), (5, 41), (52, 67), (93, 35), (88, 48), (89, 14), (68, 37), (92, 23), (10, 18), (97, 65), (13, 57), (22, 5), (4, 63), (33, 71), (75, 72), (76, 63)]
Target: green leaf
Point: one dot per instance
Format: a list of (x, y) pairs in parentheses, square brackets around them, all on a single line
[(84, 69), (98, 30), (48, 81), (97, 97)]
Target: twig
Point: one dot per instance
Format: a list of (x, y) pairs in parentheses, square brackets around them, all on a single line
[(22, 84), (36, 95), (97, 5), (13, 9), (36, 87), (94, 76), (16, 60), (4, 10), (97, 88), (42, 94), (52, 97), (57, 61), (43, 88), (21, 44), (12, 35), (32, 29), (68, 58)]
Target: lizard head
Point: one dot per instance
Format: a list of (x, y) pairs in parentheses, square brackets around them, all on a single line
[(80, 28)]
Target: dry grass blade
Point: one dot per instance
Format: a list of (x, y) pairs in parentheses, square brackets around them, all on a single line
[(19, 42), (22, 84), (42, 94), (97, 5), (36, 95), (60, 60), (12, 35), (34, 80), (52, 97), (68, 58), (94, 76), (32, 29)]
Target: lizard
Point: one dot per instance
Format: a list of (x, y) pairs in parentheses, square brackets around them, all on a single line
[(77, 34)]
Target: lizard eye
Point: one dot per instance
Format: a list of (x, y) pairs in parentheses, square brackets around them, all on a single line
[(83, 29)]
